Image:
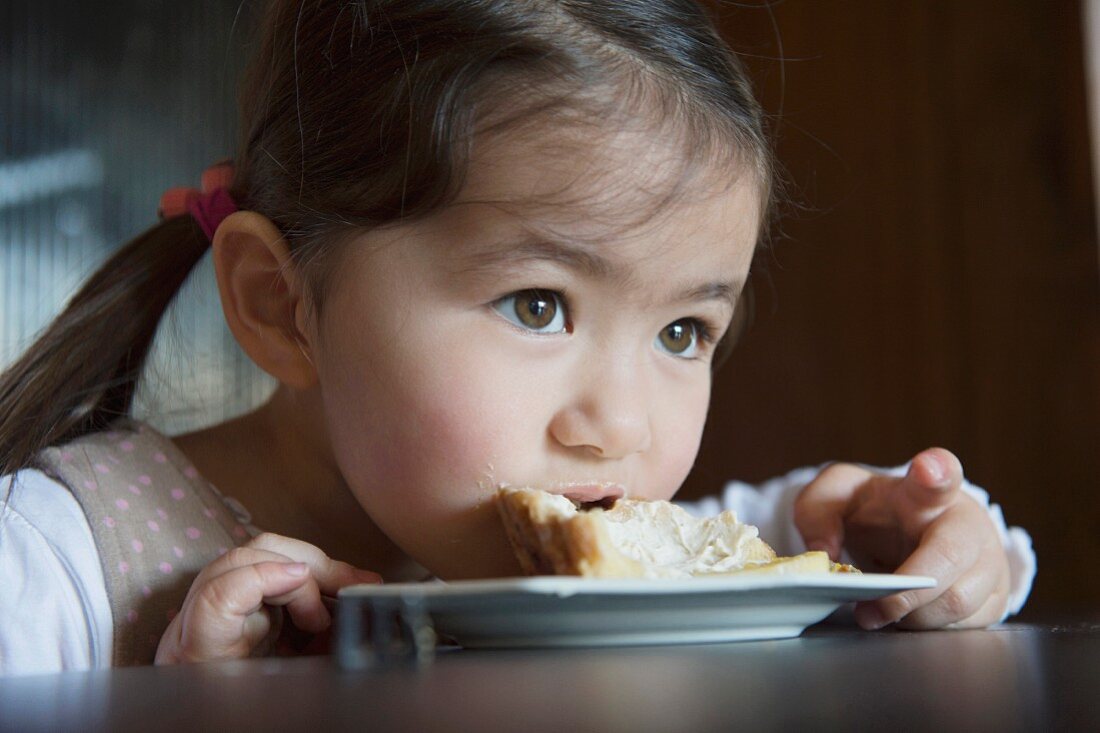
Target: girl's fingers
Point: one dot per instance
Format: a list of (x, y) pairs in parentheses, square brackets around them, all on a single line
[(262, 628), (330, 575), (961, 603), (844, 492), (304, 604), (932, 475), (326, 577), (216, 620), (921, 523), (232, 608), (990, 612), (820, 508), (236, 557), (946, 551), (932, 484)]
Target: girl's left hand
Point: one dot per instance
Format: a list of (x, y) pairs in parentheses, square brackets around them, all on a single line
[(919, 524)]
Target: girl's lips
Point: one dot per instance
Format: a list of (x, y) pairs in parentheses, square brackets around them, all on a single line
[(587, 493)]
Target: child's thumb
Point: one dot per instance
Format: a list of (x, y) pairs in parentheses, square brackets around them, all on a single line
[(932, 478)]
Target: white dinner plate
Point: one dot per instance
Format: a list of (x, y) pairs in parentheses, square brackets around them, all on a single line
[(565, 611)]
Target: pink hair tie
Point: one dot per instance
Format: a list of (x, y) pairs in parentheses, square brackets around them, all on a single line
[(210, 206)]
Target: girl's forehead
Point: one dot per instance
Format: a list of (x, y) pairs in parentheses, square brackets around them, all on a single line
[(604, 187), (622, 176), (615, 206)]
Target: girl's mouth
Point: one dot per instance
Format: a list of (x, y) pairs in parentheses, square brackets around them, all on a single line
[(590, 495)]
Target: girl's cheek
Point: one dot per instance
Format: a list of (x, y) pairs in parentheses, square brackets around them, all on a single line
[(443, 446), (681, 438)]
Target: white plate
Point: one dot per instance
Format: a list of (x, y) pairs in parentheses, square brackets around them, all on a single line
[(562, 611)]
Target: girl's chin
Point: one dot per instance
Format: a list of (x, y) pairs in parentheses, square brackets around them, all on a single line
[(469, 544), (490, 557)]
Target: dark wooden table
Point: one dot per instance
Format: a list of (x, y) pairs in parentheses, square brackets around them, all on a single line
[(1013, 677)]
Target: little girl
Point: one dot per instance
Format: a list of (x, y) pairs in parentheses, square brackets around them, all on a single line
[(476, 244)]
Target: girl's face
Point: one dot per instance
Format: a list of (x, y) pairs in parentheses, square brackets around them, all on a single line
[(552, 329)]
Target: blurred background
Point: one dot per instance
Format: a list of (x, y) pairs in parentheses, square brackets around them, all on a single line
[(103, 106), (933, 279)]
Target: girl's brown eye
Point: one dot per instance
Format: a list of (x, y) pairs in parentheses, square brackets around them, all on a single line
[(536, 309), (679, 338)]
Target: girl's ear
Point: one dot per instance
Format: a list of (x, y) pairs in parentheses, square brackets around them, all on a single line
[(262, 297)]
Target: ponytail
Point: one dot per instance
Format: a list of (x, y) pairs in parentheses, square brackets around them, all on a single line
[(80, 375)]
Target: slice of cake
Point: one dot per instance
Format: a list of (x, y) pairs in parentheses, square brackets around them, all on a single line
[(554, 535)]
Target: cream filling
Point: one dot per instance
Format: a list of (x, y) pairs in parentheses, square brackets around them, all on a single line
[(666, 540), (671, 543)]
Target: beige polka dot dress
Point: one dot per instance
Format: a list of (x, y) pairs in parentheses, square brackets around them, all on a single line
[(156, 523)]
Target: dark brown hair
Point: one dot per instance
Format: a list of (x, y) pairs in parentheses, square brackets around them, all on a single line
[(360, 113)]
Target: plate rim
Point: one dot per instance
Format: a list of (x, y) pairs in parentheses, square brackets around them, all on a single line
[(569, 585)]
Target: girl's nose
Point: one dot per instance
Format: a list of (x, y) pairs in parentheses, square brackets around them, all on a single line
[(609, 418)]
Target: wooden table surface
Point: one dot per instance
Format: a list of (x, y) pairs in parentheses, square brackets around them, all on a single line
[(1012, 677)]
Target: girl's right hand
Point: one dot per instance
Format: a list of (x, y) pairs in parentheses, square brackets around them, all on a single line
[(234, 608)]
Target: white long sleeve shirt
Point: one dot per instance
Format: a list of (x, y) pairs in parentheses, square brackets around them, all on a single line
[(55, 615)]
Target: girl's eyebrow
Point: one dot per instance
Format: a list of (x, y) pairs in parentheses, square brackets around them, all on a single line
[(591, 264), (727, 292), (511, 252)]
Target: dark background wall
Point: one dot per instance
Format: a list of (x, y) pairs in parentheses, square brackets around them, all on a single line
[(935, 281)]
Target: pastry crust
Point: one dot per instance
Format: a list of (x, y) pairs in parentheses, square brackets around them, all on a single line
[(552, 536)]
